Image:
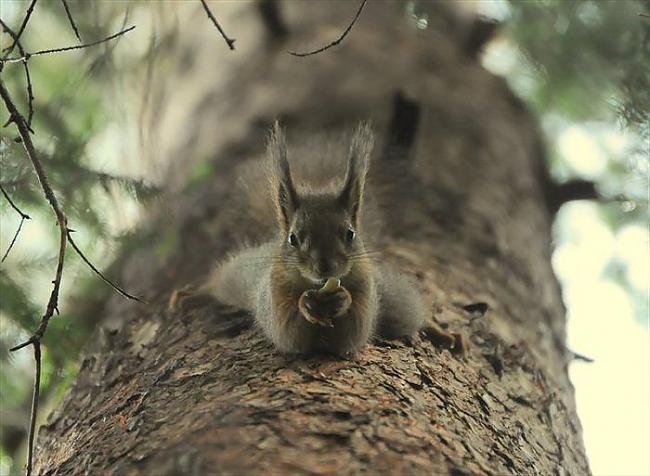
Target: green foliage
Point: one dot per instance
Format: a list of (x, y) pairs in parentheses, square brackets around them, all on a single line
[(588, 63), (586, 53), (586, 66)]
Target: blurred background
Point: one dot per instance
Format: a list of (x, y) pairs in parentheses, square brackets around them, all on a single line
[(583, 68)]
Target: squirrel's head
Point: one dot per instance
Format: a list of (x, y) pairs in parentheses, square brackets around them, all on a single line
[(320, 229)]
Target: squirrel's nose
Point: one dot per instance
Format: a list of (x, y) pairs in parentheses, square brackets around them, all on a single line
[(323, 268)]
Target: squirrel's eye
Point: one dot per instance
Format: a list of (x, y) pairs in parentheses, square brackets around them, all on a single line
[(293, 240), (349, 235)]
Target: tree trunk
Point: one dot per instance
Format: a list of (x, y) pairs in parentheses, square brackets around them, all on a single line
[(163, 393)]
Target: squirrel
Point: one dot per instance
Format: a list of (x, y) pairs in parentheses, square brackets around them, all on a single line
[(315, 286)]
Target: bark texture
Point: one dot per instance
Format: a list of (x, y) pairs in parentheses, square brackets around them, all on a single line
[(162, 393)]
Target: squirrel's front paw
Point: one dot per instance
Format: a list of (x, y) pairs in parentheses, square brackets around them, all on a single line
[(322, 308)]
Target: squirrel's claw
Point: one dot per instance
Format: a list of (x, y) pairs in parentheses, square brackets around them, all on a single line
[(318, 322)]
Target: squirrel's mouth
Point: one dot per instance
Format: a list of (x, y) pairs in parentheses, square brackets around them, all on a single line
[(320, 280), (317, 281)]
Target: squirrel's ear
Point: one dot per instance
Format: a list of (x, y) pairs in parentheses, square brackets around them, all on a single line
[(286, 196), (358, 162)]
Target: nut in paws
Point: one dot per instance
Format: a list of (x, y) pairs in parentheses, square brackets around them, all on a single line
[(323, 308)]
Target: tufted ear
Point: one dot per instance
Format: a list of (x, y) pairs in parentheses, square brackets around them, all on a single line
[(286, 198), (351, 195)]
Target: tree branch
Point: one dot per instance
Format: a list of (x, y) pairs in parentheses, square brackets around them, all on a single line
[(23, 217), (34, 413), (27, 56), (20, 122), (13, 205), (559, 194), (30, 9), (581, 357), (229, 41), (338, 40), (71, 20), (23, 130), (52, 304), (30, 91), (13, 240), (118, 289)]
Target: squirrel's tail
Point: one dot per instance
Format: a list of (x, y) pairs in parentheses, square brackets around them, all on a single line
[(235, 280), (402, 310)]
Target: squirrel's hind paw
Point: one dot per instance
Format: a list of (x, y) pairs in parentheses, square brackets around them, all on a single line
[(453, 341), (187, 299), (230, 320)]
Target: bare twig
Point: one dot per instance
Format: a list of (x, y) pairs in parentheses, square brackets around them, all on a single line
[(28, 78), (34, 413), (338, 40), (13, 240), (27, 56), (71, 20), (582, 357), (13, 205), (30, 9), (52, 303), (23, 130), (229, 41), (110, 47), (30, 97), (118, 289), (23, 217), (558, 194)]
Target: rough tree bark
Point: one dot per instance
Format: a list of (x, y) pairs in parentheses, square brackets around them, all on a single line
[(162, 393)]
